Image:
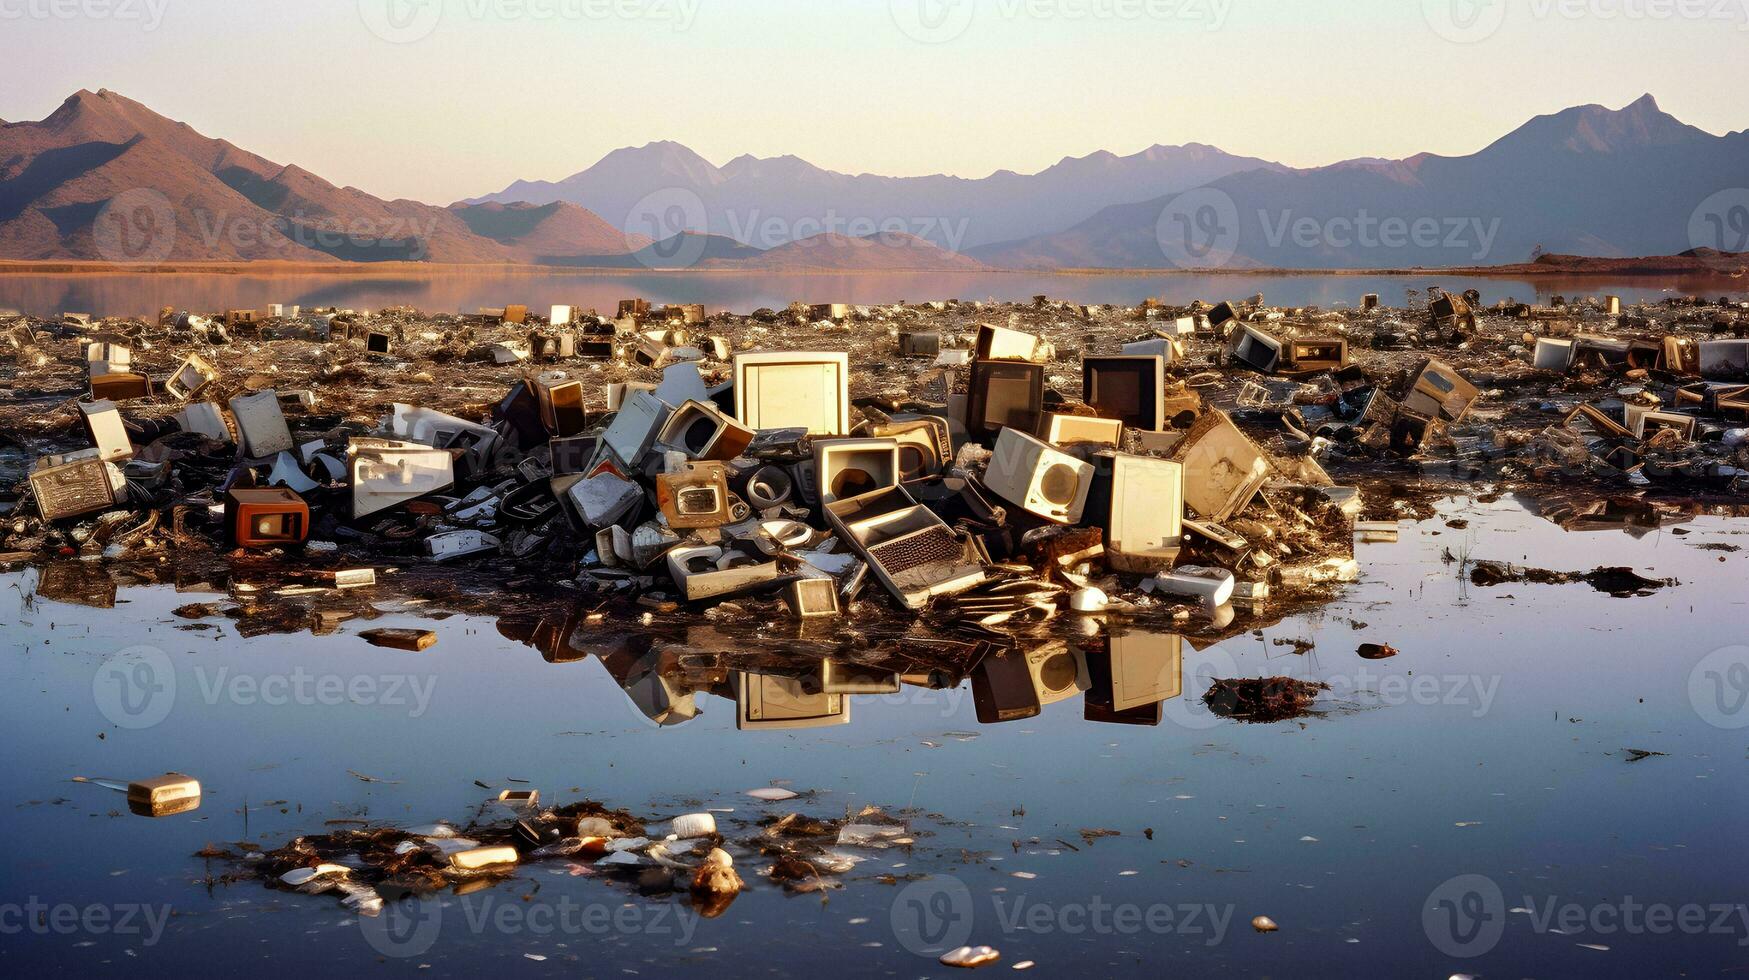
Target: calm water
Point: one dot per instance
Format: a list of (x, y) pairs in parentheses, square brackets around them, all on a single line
[(1492, 747), (137, 295)]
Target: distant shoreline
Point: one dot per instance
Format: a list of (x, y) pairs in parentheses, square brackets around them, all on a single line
[(1565, 267)]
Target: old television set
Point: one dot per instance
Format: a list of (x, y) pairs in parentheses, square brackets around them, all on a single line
[(1143, 512), (1069, 430), (265, 517), (812, 598), (794, 390), (561, 407), (846, 678), (773, 702), (1002, 344), (193, 375), (1058, 672), (120, 386), (694, 496), (702, 431), (1003, 688), (1138, 668), (925, 444), (1004, 395), (919, 344), (1439, 392), (853, 467), (1309, 354), (633, 430), (1129, 388), (1039, 477), (1255, 349)]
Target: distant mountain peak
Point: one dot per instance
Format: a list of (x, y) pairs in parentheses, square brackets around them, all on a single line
[(1599, 129)]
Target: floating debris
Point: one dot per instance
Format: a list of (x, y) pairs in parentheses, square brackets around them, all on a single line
[(1263, 699), (970, 957)]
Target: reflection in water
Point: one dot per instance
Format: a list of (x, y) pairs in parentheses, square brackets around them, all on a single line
[(464, 292), (1123, 676)]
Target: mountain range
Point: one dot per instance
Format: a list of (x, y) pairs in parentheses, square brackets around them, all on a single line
[(770, 202), (105, 178), (1586, 181)]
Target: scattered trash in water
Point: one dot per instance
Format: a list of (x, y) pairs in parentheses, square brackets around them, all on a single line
[(1263, 699), (1619, 582), (1635, 755), (970, 957)]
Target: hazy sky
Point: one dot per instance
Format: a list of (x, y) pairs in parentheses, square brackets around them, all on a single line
[(444, 99)]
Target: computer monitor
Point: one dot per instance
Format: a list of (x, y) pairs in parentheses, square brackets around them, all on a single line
[(1139, 667), (1003, 688), (769, 701), (1128, 387), (794, 390), (1004, 395)]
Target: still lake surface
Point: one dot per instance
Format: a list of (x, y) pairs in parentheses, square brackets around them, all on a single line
[(462, 292), (1492, 746)]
